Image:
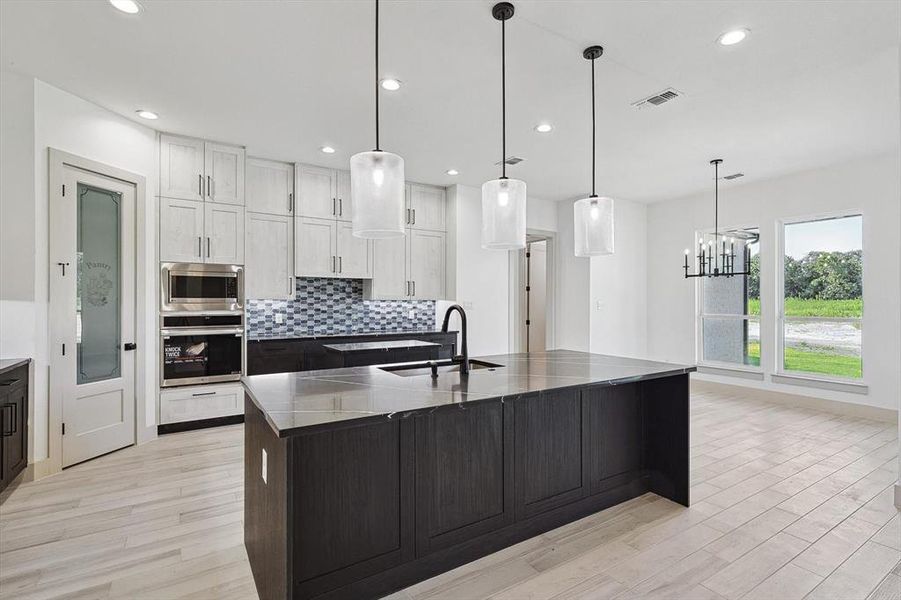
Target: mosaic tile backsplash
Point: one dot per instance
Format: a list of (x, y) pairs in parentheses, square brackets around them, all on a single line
[(324, 306)]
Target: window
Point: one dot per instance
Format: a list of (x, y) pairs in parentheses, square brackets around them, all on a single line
[(730, 306), (822, 297)]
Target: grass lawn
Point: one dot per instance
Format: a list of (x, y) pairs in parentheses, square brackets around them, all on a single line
[(800, 307), (813, 361)]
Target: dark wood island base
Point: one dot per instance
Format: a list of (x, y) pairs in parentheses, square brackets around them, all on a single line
[(362, 507)]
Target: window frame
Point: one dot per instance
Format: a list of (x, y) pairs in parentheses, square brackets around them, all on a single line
[(780, 318), (700, 315)]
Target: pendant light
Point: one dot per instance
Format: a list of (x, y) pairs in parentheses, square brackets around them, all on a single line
[(715, 259), (377, 180), (503, 199), (593, 216)]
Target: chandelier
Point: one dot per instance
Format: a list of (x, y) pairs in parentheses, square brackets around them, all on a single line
[(714, 258)]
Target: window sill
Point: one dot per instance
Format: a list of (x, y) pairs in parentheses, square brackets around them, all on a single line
[(851, 387), (731, 372)]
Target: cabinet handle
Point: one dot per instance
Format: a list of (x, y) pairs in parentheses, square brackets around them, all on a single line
[(208, 252), (414, 282), (333, 263), (407, 293), (290, 202), (200, 184), (8, 382), (414, 223), (334, 207), (3, 431), (340, 264), (200, 246), (341, 207), (209, 186), (203, 394), (291, 286)]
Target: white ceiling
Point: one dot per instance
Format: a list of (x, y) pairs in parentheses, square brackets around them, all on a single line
[(816, 82)]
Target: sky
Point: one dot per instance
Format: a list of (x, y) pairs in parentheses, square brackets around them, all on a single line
[(834, 235)]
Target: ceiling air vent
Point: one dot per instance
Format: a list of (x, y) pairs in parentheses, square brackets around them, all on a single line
[(733, 176), (657, 99), (513, 160)]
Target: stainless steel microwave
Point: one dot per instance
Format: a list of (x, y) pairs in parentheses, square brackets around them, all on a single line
[(201, 287)]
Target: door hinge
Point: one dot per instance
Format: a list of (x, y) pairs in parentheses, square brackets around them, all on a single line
[(528, 322), (528, 288), (64, 429), (528, 255), (64, 189)]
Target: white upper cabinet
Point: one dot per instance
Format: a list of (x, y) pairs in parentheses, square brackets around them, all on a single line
[(426, 263), (269, 187), (389, 269), (427, 207), (316, 192), (354, 254), (269, 260), (342, 183), (181, 230), (181, 168), (315, 247), (224, 168), (191, 169), (223, 226)]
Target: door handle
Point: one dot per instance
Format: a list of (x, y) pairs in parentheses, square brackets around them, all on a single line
[(129, 346), (63, 265), (209, 186)]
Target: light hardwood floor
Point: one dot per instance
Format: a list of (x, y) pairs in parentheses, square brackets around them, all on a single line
[(786, 503)]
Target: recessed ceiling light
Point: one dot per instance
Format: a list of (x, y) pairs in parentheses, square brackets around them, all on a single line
[(147, 114), (453, 172), (127, 6), (730, 38), (392, 85), (328, 149), (543, 127)]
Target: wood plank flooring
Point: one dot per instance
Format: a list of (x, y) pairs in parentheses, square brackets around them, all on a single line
[(787, 503)]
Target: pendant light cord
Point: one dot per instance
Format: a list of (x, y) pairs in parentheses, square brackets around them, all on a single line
[(377, 147), (593, 142), (503, 99), (716, 201)]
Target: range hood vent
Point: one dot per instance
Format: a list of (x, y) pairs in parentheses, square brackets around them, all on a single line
[(667, 95)]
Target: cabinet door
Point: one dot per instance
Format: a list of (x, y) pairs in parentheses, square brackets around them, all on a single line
[(427, 264), (181, 168), (200, 402), (15, 443), (354, 254), (224, 170), (269, 187), (427, 204), (615, 433), (550, 442), (223, 226), (389, 273), (316, 193), (464, 479), (181, 230), (345, 209), (352, 504), (269, 260), (315, 242)]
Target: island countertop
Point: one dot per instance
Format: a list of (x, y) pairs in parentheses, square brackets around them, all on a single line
[(312, 400)]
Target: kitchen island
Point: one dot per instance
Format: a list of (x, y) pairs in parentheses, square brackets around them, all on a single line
[(364, 480)]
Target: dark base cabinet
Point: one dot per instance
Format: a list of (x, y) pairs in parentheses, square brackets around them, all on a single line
[(364, 509), (13, 424)]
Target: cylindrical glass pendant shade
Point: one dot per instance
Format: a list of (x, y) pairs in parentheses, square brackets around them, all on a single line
[(504, 214), (593, 219), (377, 194)]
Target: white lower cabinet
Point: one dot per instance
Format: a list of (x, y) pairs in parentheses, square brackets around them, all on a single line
[(197, 402), (269, 257)]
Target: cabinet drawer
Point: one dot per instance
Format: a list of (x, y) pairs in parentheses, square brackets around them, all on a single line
[(200, 402)]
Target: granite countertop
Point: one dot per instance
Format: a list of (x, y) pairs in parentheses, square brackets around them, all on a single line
[(8, 364), (325, 336), (377, 346), (311, 400)]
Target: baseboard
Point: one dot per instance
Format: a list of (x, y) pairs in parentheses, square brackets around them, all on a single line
[(201, 424), (40, 469), (850, 409)]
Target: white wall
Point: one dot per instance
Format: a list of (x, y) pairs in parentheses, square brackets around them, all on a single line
[(618, 288), (68, 123), (573, 282), (870, 186), (538, 296)]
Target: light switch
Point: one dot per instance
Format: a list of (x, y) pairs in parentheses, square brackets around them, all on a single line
[(265, 466)]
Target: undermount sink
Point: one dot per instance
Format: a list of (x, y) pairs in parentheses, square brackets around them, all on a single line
[(425, 368)]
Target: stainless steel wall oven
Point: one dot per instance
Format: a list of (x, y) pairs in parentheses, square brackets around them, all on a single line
[(201, 348)]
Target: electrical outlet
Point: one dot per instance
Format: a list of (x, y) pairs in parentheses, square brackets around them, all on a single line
[(467, 305), (412, 313), (265, 466), (600, 305), (279, 318)]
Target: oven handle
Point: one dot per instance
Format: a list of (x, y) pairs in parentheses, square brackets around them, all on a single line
[(166, 333)]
